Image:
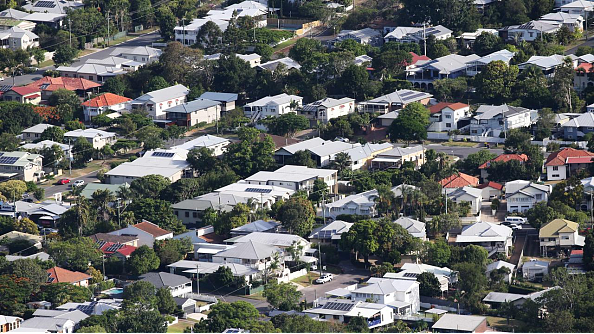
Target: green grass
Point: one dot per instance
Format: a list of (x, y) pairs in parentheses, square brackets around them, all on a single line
[(256, 296), (500, 323), (459, 143), (284, 44), (306, 280), (49, 62), (180, 326)]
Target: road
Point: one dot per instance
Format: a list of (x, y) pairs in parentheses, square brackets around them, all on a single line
[(351, 275), (51, 190), (142, 40)]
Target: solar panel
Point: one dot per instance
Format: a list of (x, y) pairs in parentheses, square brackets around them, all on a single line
[(258, 190), (407, 93), (338, 306), (101, 243), (45, 4), (1, 154), (44, 86), (411, 275), (88, 309), (163, 154), (51, 279), (8, 160), (414, 96), (5, 88), (114, 247)]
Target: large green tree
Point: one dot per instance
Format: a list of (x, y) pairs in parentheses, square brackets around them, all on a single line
[(297, 215), (411, 123), (142, 260), (496, 81), (282, 296)]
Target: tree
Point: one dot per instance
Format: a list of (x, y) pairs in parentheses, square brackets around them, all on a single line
[(411, 123), (96, 275), (91, 329), (239, 314), (75, 253), (496, 81), (304, 48), (166, 21), (392, 62), (209, 37), (487, 43), (319, 192), (74, 125), (142, 260), (116, 85), (474, 254), (297, 215), (252, 154), (357, 325), (172, 250), (517, 140), (286, 124), (128, 126), (541, 214), (38, 54), (569, 192), (429, 285), (82, 151), (202, 159), (562, 90), (444, 222), (438, 253), (141, 321), (472, 280), (450, 89), (165, 301), (302, 158), (300, 324), (26, 225), (156, 83), (150, 136), (361, 239), (342, 162), (15, 292), (8, 142), (474, 160), (354, 81), (149, 186), (29, 269), (53, 133), (13, 189), (158, 211), (282, 296), (140, 295), (64, 55), (61, 293)]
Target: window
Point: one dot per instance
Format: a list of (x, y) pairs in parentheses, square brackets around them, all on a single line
[(448, 125), (538, 196), (565, 237), (448, 116), (187, 214), (555, 175), (555, 168)]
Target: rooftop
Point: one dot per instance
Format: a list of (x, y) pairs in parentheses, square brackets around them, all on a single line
[(106, 100), (458, 322), (60, 275), (560, 157), (274, 239), (164, 280), (459, 180), (152, 229), (190, 107), (556, 226)]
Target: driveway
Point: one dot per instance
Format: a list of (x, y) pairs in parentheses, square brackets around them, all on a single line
[(351, 275)]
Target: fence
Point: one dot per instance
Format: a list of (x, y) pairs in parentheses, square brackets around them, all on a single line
[(98, 40), (497, 140), (292, 276)]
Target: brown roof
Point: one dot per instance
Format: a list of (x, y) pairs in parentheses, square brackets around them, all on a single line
[(105, 100), (26, 90), (279, 141), (121, 239), (441, 105), (212, 238), (491, 184), (151, 228), (61, 275), (459, 180), (51, 84), (505, 158), (559, 158)]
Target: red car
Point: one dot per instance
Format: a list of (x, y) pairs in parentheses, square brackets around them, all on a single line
[(63, 181)]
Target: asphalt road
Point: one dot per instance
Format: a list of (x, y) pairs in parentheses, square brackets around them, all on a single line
[(53, 189), (143, 40)]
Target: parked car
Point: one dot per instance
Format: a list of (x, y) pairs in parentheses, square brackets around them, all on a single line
[(515, 220), (324, 279), (47, 230), (63, 181), (78, 183), (515, 226)]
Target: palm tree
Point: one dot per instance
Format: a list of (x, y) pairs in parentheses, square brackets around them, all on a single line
[(385, 200), (101, 201), (342, 162)]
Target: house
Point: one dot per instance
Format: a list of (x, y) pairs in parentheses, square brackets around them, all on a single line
[(473, 196), (502, 158), (143, 54), (96, 307), (363, 204), (395, 157), (53, 20), (116, 63), (457, 323), (187, 305), (365, 36), (328, 108), (16, 38), (331, 233), (216, 144), (490, 190), (445, 116), (188, 34), (255, 226), (343, 310), (129, 240), (388, 290), (446, 67), (529, 31), (500, 265), (362, 155), (227, 100), (200, 235), (253, 59), (47, 85), (21, 165), (102, 103), (296, 178), (286, 62), (417, 59), (566, 162), (7, 23), (60, 275), (322, 151), (582, 79), (476, 66), (91, 188), (575, 22), (559, 234), (280, 240), (47, 325), (98, 138), (34, 132), (53, 6), (362, 60), (491, 121), (467, 39), (94, 72), (494, 238), (8, 323), (535, 270), (413, 227), (195, 112), (386, 119), (459, 180), (394, 101), (23, 94), (35, 240), (205, 266), (156, 102), (112, 249), (411, 271), (171, 164), (417, 34), (252, 254), (523, 195), (547, 64), (178, 285), (282, 154), (576, 128), (42, 256), (580, 7), (145, 231), (272, 106)]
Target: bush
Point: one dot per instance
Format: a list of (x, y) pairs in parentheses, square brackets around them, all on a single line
[(115, 164)]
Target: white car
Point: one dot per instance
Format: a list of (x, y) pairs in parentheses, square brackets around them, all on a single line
[(515, 226), (515, 220), (324, 279), (78, 183)]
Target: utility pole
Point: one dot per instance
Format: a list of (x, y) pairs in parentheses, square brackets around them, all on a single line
[(70, 32), (183, 31), (197, 280), (108, 28), (320, 258), (424, 39), (70, 158), (119, 213)]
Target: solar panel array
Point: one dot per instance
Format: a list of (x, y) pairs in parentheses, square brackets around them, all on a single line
[(232, 330), (101, 243), (407, 93), (45, 4), (114, 247), (258, 190), (163, 154), (338, 306), (431, 31), (8, 160), (5, 88), (50, 280), (413, 96), (1, 154), (413, 275), (44, 86), (88, 309), (326, 234)]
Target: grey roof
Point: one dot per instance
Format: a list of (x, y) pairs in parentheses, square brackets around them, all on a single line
[(164, 94), (585, 120), (13, 14), (402, 151), (301, 146), (40, 256), (122, 239), (275, 239), (180, 301), (137, 50), (222, 97), (579, 4), (503, 55), (414, 227), (54, 325), (361, 34), (273, 64), (89, 133), (331, 231), (202, 141), (474, 192), (190, 107), (38, 128), (249, 250), (59, 6), (257, 226), (403, 96), (542, 26), (500, 264), (458, 322), (90, 188), (489, 111), (163, 279), (501, 297), (44, 17), (545, 62), (327, 102), (416, 33)]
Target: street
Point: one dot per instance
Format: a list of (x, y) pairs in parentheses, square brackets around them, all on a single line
[(142, 40), (53, 189)]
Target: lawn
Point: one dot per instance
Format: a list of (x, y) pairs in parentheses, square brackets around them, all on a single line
[(500, 323), (180, 326), (306, 279), (459, 143), (284, 44), (256, 296)]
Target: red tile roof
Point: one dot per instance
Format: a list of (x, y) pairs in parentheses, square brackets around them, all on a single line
[(64, 83), (106, 100), (25, 90), (505, 158), (279, 141), (579, 160), (559, 158), (491, 184), (577, 252), (416, 58), (459, 180), (125, 250), (585, 66), (151, 228), (442, 105), (61, 275)]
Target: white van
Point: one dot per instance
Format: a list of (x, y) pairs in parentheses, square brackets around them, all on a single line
[(515, 220)]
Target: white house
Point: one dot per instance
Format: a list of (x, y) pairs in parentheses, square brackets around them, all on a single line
[(417, 34), (272, 106), (450, 66), (216, 144), (296, 178), (361, 155), (394, 101), (195, 112), (34, 133), (468, 38), (413, 227), (98, 138), (342, 310), (476, 66), (286, 62), (363, 204), (280, 240), (582, 7), (171, 164), (499, 265), (445, 116), (365, 36), (395, 157), (21, 166), (534, 270), (564, 163), (328, 108), (388, 290), (146, 232), (252, 254), (177, 284), (523, 195), (156, 102), (548, 64), (474, 196), (331, 233), (16, 38), (102, 103), (529, 31), (491, 120), (410, 271), (94, 72), (575, 22), (144, 54), (494, 238)]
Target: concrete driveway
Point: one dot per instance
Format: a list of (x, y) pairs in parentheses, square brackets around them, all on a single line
[(351, 275)]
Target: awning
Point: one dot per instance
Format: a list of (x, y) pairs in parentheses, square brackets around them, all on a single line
[(387, 160)]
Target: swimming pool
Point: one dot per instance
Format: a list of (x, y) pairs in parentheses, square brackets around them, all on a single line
[(113, 291)]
